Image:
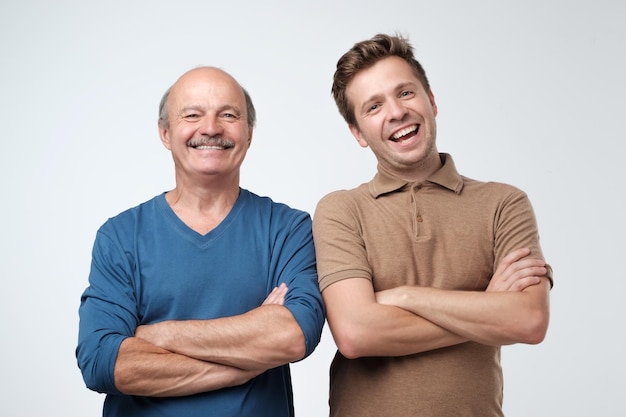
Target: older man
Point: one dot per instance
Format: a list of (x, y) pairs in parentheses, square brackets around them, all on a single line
[(199, 298)]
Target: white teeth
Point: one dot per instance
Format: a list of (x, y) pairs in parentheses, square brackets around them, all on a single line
[(207, 147), (404, 131)]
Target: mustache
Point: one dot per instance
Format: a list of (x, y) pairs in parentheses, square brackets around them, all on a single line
[(211, 141)]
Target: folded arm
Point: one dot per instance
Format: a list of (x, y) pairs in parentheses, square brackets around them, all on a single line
[(398, 321), (173, 358), (513, 309), (144, 369), (492, 318), (260, 339), (362, 327)]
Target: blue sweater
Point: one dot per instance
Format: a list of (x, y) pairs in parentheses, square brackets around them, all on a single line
[(148, 266)]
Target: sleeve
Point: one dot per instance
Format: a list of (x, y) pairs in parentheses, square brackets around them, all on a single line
[(340, 249), (516, 227), (107, 314), (294, 264)]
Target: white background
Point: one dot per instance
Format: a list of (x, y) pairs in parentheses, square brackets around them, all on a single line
[(529, 92)]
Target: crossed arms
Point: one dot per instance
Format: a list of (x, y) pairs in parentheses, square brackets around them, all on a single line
[(412, 319), (174, 358)]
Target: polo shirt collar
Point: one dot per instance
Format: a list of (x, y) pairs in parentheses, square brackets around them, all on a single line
[(447, 176)]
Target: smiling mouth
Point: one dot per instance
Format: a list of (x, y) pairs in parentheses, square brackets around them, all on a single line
[(210, 144), (207, 147), (404, 134)]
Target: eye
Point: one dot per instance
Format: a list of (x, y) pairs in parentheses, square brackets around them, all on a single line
[(230, 116), (191, 116), (373, 107), (406, 93)]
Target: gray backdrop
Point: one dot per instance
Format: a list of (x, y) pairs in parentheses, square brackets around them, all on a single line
[(529, 92)]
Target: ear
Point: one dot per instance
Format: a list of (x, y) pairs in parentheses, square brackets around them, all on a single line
[(431, 97), (358, 136), (250, 134), (165, 137)]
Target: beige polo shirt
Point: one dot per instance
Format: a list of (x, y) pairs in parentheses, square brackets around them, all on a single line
[(448, 232)]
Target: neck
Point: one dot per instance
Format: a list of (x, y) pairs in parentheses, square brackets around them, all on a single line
[(417, 172), (202, 208)]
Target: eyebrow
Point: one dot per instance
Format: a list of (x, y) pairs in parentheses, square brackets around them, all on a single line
[(200, 108), (195, 107)]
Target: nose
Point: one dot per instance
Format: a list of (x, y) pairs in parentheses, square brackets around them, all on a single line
[(395, 110), (211, 125)]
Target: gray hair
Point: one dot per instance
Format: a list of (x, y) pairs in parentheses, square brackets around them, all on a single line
[(164, 119)]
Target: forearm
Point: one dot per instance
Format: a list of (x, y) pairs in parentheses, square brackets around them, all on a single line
[(147, 370), (493, 318), (363, 327), (389, 331), (260, 339)]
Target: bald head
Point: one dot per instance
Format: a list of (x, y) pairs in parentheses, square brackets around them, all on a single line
[(203, 76)]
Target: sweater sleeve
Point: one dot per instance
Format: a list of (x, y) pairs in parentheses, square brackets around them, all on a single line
[(107, 313), (294, 264)]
